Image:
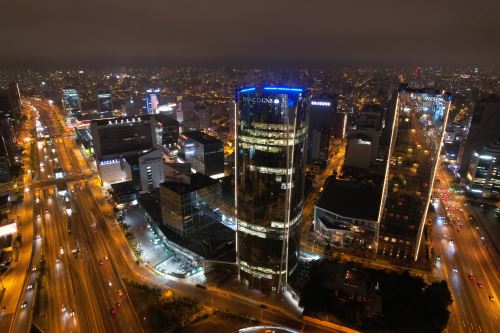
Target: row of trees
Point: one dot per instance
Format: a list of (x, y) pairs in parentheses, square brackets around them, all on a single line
[(409, 304)]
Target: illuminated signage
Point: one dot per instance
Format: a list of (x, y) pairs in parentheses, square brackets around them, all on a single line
[(320, 103), (364, 142), (260, 100), (109, 162)]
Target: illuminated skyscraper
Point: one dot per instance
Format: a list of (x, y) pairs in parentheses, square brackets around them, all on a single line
[(104, 103), (152, 101), (71, 103), (322, 109), (271, 130), (418, 129)]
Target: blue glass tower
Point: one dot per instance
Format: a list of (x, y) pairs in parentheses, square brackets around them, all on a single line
[(271, 130)]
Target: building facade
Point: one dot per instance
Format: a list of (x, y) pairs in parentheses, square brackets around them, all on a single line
[(104, 103), (483, 177), (71, 103), (484, 129), (270, 155), (417, 135), (115, 136), (152, 101), (322, 110), (205, 153)]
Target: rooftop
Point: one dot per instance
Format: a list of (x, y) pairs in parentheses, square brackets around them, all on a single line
[(354, 198), (201, 137), (121, 120), (198, 181)]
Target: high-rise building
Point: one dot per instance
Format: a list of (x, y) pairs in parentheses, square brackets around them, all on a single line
[(484, 129), (116, 136), (417, 135), (205, 153), (10, 119), (104, 103), (322, 110), (362, 151), (71, 103), (152, 101), (483, 177), (167, 133), (270, 155)]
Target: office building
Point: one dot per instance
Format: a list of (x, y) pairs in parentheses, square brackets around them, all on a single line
[(5, 163), (484, 128), (10, 120), (152, 101), (115, 136), (483, 176), (182, 203), (270, 155), (167, 133), (143, 170), (204, 152), (205, 119), (363, 141), (146, 169), (114, 170), (71, 102), (418, 128), (453, 139), (104, 103), (322, 109), (348, 213)]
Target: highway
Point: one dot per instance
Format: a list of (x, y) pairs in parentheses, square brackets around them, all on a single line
[(461, 252), (15, 279), (81, 292), (84, 284)]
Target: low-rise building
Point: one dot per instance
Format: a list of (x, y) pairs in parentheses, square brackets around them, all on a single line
[(348, 213)]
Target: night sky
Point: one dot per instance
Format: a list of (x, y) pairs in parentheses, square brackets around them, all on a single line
[(305, 31)]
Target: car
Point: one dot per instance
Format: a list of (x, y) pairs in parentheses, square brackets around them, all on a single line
[(480, 285), (71, 313), (445, 235), (491, 298), (101, 262), (455, 269), (34, 268), (110, 284), (120, 292), (58, 260), (451, 242), (113, 311), (38, 236), (24, 305), (438, 258), (63, 308), (29, 287)]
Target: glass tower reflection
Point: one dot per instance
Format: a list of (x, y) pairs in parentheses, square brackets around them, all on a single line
[(271, 131), (418, 129)]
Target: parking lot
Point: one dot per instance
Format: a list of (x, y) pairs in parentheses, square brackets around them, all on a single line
[(156, 253)]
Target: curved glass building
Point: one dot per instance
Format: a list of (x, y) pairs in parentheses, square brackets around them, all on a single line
[(271, 130)]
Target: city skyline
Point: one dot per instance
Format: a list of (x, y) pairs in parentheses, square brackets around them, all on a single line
[(252, 167)]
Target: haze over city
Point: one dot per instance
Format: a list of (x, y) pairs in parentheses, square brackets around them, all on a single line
[(267, 166)]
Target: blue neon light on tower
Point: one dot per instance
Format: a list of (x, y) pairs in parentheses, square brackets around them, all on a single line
[(270, 139)]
